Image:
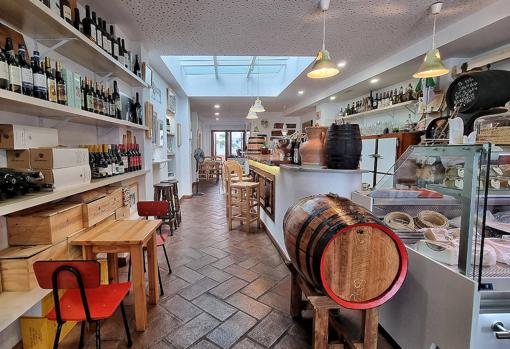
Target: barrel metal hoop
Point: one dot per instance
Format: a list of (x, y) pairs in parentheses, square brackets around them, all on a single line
[(308, 220), (321, 245)]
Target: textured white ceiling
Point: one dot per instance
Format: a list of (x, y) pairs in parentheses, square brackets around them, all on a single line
[(360, 32)]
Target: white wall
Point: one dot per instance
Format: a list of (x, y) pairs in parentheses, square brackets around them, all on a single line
[(184, 152)]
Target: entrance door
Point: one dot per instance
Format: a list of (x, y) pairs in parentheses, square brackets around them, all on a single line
[(227, 143)]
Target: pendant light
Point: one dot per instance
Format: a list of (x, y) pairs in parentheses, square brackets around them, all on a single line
[(432, 65), (322, 66), (251, 115), (257, 107)]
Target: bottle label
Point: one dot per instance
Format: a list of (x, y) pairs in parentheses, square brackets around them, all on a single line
[(121, 169), (67, 12), (82, 100), (118, 105), (4, 70), (61, 92), (103, 171), (99, 38), (52, 90), (93, 34), (116, 49), (112, 109), (27, 77), (125, 161), (105, 44), (14, 75), (90, 101), (121, 59), (95, 104)]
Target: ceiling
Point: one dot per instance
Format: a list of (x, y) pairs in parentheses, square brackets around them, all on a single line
[(359, 32)]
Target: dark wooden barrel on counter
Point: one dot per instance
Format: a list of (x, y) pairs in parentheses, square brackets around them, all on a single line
[(344, 251), (343, 146), (479, 90)]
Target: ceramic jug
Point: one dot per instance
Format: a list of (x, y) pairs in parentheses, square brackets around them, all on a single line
[(312, 151)]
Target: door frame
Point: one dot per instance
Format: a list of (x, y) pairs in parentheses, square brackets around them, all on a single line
[(228, 141)]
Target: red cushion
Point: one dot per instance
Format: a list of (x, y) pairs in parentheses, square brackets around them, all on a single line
[(103, 301)]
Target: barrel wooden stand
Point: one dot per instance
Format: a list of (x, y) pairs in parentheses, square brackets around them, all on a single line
[(321, 306)]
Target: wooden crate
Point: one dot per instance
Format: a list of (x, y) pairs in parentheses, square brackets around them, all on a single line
[(98, 204), (122, 213), (116, 196), (39, 332), (16, 263), (44, 225)]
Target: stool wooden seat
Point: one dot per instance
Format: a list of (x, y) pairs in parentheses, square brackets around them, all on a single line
[(176, 201), (164, 192), (243, 204), (322, 321)]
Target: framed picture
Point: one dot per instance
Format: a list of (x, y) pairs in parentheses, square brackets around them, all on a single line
[(170, 101), (179, 137), (147, 74), (156, 94)]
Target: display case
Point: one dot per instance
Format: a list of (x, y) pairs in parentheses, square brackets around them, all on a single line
[(451, 206)]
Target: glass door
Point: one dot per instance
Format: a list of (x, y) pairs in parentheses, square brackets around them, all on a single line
[(227, 143), (236, 143), (219, 141)]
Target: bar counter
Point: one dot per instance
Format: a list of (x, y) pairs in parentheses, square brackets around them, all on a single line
[(283, 184)]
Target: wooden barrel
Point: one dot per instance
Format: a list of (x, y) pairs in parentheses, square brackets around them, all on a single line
[(480, 90), (344, 251), (255, 143), (343, 146)]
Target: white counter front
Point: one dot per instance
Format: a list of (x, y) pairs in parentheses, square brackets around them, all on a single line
[(294, 182)]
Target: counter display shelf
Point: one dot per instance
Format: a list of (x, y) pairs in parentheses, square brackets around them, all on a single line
[(462, 266)]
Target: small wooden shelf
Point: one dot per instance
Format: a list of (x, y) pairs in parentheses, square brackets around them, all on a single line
[(381, 110), (36, 20), (15, 304), (18, 103), (22, 202)]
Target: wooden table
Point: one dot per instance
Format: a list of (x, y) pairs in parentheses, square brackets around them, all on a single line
[(114, 237)]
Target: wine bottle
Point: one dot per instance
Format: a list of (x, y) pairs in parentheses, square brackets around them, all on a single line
[(102, 163), (83, 104), (120, 163), (4, 71), (107, 42), (14, 69), (137, 111), (139, 157), (61, 85), (40, 87), (94, 96), (99, 37), (111, 104), (89, 27), (124, 157), (77, 22), (99, 99), (117, 101), (27, 76), (106, 102), (115, 45), (127, 56), (50, 81), (89, 96), (136, 68), (65, 11), (121, 52)]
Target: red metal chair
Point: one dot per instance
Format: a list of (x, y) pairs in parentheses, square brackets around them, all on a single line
[(85, 298), (155, 209)]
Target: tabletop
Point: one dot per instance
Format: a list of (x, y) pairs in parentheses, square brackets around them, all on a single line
[(125, 232)]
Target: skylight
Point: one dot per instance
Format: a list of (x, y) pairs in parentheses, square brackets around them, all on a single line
[(235, 75)]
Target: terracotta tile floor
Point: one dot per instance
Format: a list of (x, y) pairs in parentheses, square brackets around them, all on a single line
[(227, 290)]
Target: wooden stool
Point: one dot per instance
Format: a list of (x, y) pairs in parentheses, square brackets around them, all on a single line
[(175, 196), (232, 173), (243, 204), (164, 192), (321, 306)]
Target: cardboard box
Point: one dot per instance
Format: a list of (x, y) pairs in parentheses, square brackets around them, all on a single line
[(77, 90), (44, 225), (67, 75), (25, 137), (18, 159), (53, 158), (122, 213), (67, 177), (39, 332)]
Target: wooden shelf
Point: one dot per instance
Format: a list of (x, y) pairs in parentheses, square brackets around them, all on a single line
[(17, 103), (15, 304), (381, 110), (36, 20), (31, 200)]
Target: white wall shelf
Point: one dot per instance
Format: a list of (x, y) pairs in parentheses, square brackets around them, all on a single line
[(407, 105), (36, 20), (15, 304), (22, 202), (31, 106)]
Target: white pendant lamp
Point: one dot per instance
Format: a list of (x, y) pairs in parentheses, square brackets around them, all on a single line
[(257, 106), (252, 115), (322, 66), (432, 65)]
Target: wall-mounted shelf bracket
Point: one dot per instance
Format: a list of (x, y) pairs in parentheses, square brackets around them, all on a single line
[(59, 42)]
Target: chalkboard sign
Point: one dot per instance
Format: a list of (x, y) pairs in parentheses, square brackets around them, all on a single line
[(464, 92)]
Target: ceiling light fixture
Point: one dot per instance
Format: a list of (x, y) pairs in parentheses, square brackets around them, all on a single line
[(217, 119), (285, 130), (257, 107), (374, 81), (332, 98), (252, 115), (216, 114), (301, 92), (322, 66), (432, 65), (217, 106), (341, 64)]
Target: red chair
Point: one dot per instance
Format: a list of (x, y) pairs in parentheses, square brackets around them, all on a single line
[(85, 298), (155, 209)]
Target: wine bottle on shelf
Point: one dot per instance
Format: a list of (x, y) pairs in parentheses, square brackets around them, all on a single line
[(65, 11), (127, 56), (108, 161), (137, 111), (94, 96), (121, 52), (107, 42), (111, 103), (50, 81), (139, 154), (89, 27), (113, 160), (102, 163), (27, 76), (83, 95), (61, 85), (14, 69), (117, 101), (4, 71), (120, 162), (100, 36), (40, 87), (124, 157), (106, 102), (89, 96), (92, 162), (136, 68), (77, 22), (99, 100), (115, 45)]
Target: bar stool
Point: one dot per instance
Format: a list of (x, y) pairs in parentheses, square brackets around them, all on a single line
[(232, 171), (243, 201), (164, 192), (175, 196)]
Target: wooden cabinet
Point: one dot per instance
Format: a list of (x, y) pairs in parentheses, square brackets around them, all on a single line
[(379, 154)]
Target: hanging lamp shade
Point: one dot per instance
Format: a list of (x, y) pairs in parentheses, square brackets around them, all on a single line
[(432, 66), (257, 106), (251, 115), (323, 67)]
